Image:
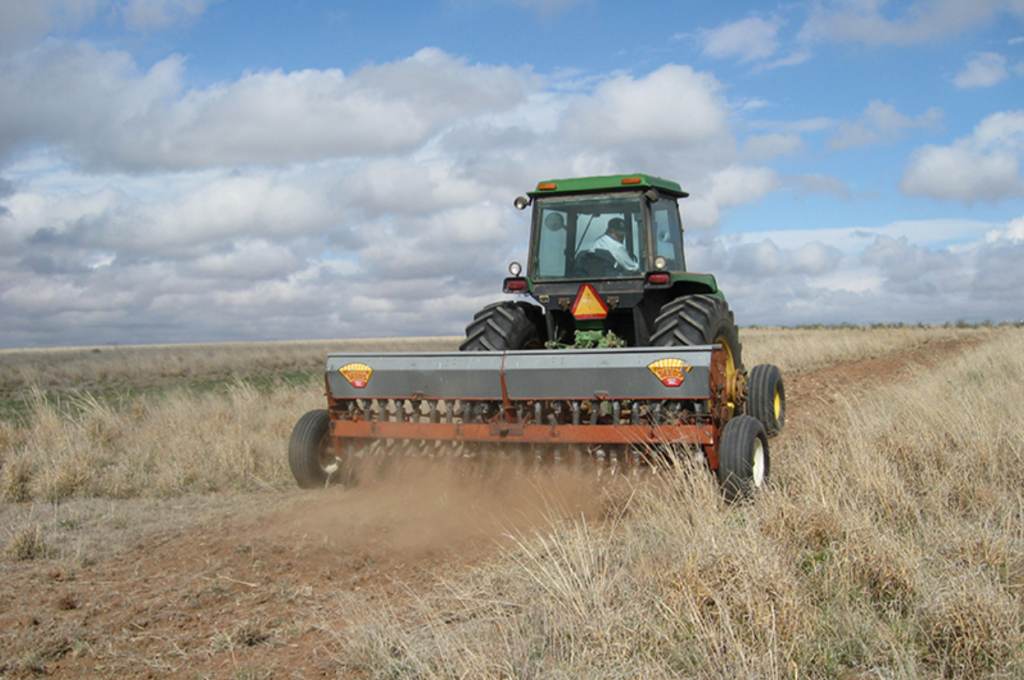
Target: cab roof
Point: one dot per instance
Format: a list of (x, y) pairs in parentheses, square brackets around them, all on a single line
[(605, 183)]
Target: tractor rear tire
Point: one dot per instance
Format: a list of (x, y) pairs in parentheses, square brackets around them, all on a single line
[(766, 397), (698, 320), (743, 462), (501, 326), (311, 453)]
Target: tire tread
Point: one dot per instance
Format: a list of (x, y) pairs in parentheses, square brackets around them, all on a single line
[(304, 449)]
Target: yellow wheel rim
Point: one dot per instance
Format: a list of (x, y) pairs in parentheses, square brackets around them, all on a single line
[(777, 404), (731, 374)]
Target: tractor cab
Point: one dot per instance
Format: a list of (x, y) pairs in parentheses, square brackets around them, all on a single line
[(606, 254), (604, 234)]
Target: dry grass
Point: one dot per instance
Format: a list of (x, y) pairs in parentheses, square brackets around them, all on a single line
[(27, 544), (163, 446), (141, 366), (94, 427), (796, 350), (891, 546)]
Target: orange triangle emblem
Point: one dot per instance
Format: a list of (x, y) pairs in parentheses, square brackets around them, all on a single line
[(588, 304)]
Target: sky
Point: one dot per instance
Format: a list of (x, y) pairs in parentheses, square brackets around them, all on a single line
[(219, 170)]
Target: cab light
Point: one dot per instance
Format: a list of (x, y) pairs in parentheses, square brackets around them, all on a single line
[(547, 186), (632, 180)]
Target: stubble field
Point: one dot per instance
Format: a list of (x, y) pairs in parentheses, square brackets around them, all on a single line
[(150, 528)]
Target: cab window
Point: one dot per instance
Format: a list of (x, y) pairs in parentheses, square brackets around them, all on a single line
[(668, 235), (567, 237)]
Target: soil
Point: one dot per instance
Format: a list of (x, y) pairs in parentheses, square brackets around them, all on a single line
[(265, 585)]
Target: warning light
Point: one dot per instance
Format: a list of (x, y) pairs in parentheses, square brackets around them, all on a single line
[(588, 304), (671, 372), (356, 374)]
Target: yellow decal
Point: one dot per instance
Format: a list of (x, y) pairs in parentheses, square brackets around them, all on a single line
[(357, 374), (671, 372), (588, 304)]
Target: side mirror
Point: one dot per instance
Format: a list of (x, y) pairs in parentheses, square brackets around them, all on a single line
[(522, 203)]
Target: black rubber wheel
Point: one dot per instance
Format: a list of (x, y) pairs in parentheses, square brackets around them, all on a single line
[(698, 320), (501, 326), (703, 320), (766, 397), (743, 461), (310, 452)]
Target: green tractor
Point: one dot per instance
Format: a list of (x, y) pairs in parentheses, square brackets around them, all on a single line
[(606, 267)]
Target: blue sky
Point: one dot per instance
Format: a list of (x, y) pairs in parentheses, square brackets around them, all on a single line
[(208, 170)]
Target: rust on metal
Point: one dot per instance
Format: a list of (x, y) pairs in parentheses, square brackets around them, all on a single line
[(509, 410)]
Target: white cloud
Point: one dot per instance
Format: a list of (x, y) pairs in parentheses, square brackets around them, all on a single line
[(249, 260), (104, 113), (177, 225), (819, 184), (795, 59), (134, 208), (868, 22), (404, 185), (1004, 129), (445, 145), (772, 145), (24, 23), (747, 40), (765, 259), (984, 70), (1013, 231), (737, 185), (880, 123), (815, 259), (673, 105), (79, 99), (984, 166), (901, 272)]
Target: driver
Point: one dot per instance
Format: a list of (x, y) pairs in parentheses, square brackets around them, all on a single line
[(613, 242)]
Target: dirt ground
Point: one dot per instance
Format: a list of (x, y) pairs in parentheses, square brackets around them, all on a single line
[(265, 585)]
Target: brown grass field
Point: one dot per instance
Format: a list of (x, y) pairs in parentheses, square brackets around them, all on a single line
[(149, 527)]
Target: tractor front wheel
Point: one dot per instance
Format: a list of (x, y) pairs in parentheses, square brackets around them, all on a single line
[(743, 462)]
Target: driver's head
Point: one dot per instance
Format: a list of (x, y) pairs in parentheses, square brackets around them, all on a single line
[(617, 229)]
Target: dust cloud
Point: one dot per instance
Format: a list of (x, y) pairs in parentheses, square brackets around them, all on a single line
[(427, 507)]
